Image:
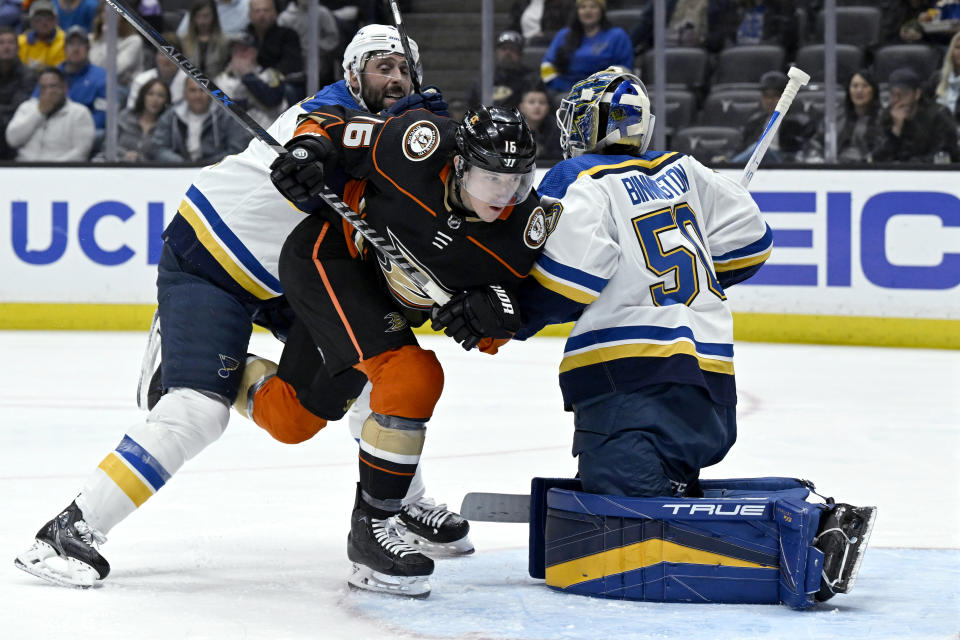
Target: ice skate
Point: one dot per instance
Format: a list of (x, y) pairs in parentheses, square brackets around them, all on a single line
[(65, 552), (843, 537), (382, 561), (434, 530)]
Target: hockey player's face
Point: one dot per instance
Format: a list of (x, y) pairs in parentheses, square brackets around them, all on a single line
[(385, 79), (488, 193)]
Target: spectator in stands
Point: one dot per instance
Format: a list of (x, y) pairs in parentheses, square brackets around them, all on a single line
[(540, 20), (748, 22), (296, 17), (900, 23), (204, 43), (232, 15), (589, 44), (10, 13), (858, 124), (129, 47), (135, 126), (792, 138), (71, 12), (86, 82), (690, 23), (42, 45), (259, 91), (51, 127), (278, 47), (948, 89), (914, 129), (535, 107), (16, 84), (510, 75), (165, 70), (196, 131)]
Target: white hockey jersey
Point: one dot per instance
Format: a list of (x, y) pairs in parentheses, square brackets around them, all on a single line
[(233, 211), (640, 251)]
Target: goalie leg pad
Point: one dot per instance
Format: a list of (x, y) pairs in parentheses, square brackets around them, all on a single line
[(737, 544)]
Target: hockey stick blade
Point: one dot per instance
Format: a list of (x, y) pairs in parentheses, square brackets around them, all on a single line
[(496, 507)]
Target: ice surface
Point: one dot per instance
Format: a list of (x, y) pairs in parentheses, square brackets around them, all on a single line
[(249, 540)]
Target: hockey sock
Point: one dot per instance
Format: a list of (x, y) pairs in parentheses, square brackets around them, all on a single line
[(389, 453), (181, 425)]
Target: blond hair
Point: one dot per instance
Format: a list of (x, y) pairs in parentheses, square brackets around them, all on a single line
[(948, 68)]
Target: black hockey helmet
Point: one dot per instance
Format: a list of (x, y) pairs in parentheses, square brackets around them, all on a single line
[(497, 152), (497, 139)]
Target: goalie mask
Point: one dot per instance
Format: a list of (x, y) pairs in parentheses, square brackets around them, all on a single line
[(497, 156), (371, 41), (610, 107)]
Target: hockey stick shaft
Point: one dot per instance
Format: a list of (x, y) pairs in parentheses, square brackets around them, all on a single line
[(796, 79), (377, 241), (405, 43)]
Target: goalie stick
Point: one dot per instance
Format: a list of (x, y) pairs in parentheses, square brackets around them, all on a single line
[(796, 79), (381, 244), (509, 507)]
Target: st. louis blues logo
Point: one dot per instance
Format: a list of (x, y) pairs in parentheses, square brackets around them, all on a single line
[(227, 364)]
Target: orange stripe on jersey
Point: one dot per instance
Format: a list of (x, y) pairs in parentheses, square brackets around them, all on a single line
[(352, 194), (313, 125), (277, 410), (497, 258), (391, 181), (407, 382), (330, 291), (394, 473)]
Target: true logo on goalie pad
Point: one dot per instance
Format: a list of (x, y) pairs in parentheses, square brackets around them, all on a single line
[(755, 510)]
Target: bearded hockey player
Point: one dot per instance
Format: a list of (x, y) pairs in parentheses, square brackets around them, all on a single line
[(217, 273), (643, 246)]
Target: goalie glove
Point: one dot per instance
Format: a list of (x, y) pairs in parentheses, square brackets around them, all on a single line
[(298, 174), (485, 312)]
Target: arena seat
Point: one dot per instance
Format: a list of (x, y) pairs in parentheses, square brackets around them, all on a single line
[(706, 143)]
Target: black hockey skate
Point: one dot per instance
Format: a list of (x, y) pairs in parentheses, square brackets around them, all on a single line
[(843, 536), (65, 552), (434, 529), (382, 561)]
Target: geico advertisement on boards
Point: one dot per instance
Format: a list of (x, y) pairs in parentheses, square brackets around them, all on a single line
[(862, 243)]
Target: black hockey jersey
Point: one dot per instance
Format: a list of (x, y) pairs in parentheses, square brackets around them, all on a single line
[(401, 181)]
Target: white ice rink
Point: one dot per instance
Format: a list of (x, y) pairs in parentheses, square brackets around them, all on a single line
[(248, 541)]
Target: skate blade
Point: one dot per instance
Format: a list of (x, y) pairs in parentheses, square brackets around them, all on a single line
[(861, 550), (457, 548), (366, 579), (64, 572)]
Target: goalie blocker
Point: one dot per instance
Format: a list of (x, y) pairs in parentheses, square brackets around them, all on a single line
[(747, 541)]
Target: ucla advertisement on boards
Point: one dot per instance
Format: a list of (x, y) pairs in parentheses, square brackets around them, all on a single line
[(875, 244)]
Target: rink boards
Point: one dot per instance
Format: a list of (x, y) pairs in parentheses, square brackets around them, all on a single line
[(860, 257)]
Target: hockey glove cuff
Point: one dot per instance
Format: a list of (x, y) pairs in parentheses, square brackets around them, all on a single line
[(470, 316), (298, 174), (430, 98)]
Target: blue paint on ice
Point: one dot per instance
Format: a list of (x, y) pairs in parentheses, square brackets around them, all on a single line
[(900, 593)]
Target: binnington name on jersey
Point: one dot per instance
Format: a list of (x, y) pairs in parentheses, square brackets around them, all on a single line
[(670, 184)]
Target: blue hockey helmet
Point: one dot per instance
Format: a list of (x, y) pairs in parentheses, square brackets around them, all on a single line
[(609, 107)]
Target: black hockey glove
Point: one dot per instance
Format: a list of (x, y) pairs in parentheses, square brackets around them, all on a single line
[(298, 174), (486, 312), (430, 98)]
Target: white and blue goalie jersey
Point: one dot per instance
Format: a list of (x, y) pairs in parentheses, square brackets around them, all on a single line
[(640, 252)]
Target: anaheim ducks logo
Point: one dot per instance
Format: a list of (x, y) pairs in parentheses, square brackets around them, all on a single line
[(404, 289), (536, 232), (395, 322), (420, 140)]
